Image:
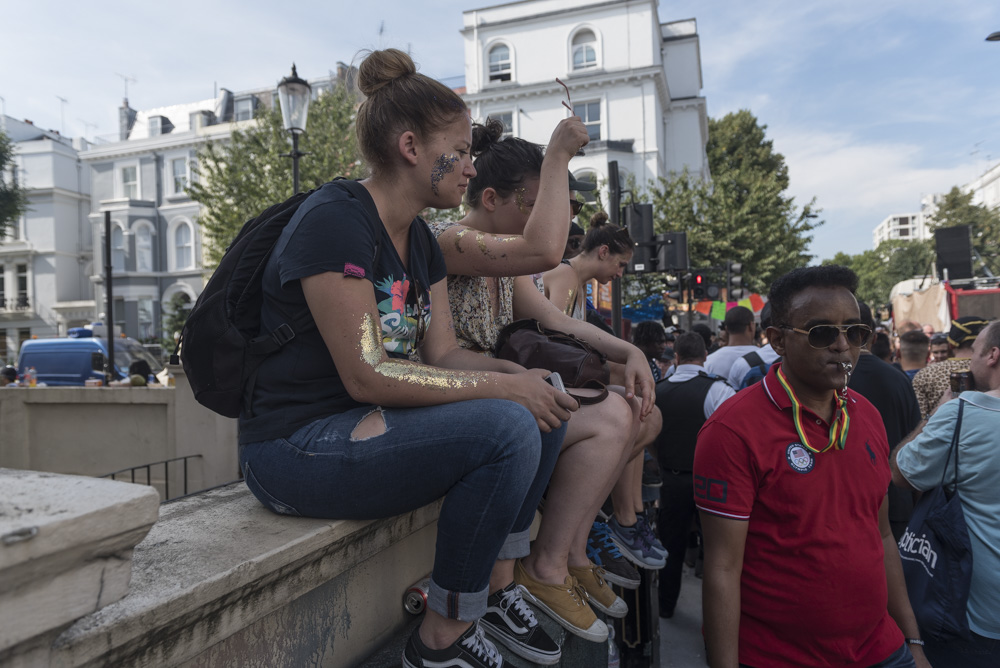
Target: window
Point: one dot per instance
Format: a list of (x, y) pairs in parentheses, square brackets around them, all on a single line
[(145, 318), (23, 334), (154, 126), (22, 286), (143, 248), (904, 231), (507, 118), (584, 50), (117, 248), (5, 355), (500, 63), (590, 113), (130, 182), (179, 171), (2, 295), (244, 109), (184, 247)]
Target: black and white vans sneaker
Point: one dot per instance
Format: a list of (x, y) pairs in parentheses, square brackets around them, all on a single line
[(471, 650), (510, 622)]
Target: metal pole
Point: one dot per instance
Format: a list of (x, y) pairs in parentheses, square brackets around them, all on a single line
[(295, 163), (110, 374)]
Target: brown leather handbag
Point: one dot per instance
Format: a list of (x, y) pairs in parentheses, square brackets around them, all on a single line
[(528, 343)]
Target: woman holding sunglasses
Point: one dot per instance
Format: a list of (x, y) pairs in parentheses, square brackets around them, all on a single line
[(517, 193), (340, 424)]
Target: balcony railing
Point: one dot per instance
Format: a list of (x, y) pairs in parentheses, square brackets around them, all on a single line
[(14, 304)]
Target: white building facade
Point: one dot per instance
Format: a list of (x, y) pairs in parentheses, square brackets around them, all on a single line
[(635, 82), (46, 258), (908, 226), (986, 189)]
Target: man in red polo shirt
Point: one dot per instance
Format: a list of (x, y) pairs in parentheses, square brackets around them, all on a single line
[(791, 475)]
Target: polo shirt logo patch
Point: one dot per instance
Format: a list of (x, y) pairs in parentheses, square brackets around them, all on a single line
[(799, 458)]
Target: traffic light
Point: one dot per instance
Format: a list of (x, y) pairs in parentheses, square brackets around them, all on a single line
[(675, 288), (698, 285), (735, 287), (638, 220)]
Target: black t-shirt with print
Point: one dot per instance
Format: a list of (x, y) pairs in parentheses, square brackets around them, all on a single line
[(331, 232)]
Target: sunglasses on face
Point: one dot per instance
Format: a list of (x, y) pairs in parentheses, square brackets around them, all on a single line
[(823, 336), (574, 244), (576, 206)]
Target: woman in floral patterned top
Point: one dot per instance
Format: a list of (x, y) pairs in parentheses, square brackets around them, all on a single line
[(517, 225)]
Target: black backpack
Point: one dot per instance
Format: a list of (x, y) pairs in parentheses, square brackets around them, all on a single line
[(222, 344), (758, 369)]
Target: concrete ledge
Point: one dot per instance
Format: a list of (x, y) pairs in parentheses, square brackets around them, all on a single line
[(65, 549), (220, 580)]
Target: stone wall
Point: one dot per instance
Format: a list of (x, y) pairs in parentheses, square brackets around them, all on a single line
[(94, 431)]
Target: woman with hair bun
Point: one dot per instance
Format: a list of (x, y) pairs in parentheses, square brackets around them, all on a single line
[(607, 250), (519, 215), (339, 423)]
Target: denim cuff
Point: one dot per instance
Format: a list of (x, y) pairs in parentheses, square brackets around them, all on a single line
[(517, 545), (464, 606)]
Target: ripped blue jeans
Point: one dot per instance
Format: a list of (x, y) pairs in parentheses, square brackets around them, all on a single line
[(486, 457)]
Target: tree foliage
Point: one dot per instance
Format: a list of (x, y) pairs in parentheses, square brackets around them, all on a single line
[(13, 198), (744, 213), (174, 317), (878, 270), (240, 178), (957, 209)]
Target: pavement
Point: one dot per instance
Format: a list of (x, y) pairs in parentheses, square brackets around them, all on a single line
[(681, 644)]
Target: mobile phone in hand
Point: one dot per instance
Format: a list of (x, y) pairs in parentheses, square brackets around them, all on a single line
[(556, 381)]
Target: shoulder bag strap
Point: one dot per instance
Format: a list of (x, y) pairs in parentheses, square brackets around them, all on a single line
[(953, 450)]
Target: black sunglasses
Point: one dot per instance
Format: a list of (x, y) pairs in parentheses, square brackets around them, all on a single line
[(576, 206), (823, 336)]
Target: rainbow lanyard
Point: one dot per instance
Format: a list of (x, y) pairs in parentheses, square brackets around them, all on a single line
[(838, 430)]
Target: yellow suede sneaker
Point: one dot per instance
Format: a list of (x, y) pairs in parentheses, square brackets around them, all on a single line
[(565, 603), (599, 592)]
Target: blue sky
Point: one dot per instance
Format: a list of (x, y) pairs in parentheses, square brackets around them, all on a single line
[(874, 103)]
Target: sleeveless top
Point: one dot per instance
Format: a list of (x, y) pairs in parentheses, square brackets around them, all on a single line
[(476, 328)]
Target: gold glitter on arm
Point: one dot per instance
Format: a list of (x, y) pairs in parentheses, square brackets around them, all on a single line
[(506, 238), (571, 304), (458, 239), (411, 372)]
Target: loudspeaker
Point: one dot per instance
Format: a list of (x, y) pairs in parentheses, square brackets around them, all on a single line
[(673, 252), (639, 222), (954, 251)]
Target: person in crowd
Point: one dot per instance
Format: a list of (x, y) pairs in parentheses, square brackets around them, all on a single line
[(8, 375), (686, 400), (940, 350), (913, 349), (740, 326), (340, 405), (790, 476), (705, 332), (649, 337), (515, 196), (893, 397), (921, 463), (607, 250), (933, 381), (881, 346), (928, 330), (752, 366)]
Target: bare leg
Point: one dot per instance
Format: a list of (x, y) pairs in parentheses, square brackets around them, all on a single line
[(501, 575), (626, 497), (438, 632), (593, 453)]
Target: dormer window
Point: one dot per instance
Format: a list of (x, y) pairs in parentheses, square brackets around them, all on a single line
[(243, 109), (584, 50), (500, 69)]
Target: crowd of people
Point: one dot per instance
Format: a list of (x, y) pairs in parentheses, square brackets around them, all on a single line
[(764, 448)]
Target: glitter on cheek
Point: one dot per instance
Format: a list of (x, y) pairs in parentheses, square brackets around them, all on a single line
[(410, 372), (519, 200), (444, 165)]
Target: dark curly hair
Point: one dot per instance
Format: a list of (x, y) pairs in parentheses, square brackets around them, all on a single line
[(603, 233), (797, 280), (502, 163), (648, 333)]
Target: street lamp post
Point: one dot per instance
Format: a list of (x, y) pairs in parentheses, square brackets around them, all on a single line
[(293, 95)]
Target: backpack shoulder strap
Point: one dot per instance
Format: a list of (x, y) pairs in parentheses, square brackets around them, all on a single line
[(755, 360)]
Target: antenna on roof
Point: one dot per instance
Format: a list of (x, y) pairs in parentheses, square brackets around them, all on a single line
[(126, 79), (86, 126), (62, 114)]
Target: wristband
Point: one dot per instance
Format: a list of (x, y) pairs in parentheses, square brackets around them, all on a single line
[(915, 641)]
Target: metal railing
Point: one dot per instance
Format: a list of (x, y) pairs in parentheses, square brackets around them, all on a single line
[(15, 304), (149, 479)]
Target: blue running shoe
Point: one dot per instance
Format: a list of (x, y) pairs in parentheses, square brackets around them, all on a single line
[(603, 552), (634, 546)]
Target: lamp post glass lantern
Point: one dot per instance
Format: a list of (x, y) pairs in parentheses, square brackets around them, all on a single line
[(294, 94)]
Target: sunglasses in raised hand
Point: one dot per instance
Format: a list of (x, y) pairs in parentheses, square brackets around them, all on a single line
[(823, 336)]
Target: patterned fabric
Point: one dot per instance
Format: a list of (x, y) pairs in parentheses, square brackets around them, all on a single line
[(934, 380), (476, 325)]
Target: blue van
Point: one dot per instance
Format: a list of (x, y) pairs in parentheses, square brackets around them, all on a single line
[(71, 361)]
